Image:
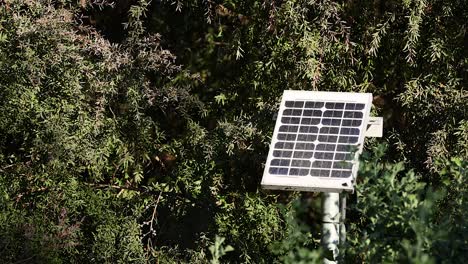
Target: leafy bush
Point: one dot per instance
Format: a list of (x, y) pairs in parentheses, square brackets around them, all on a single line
[(397, 218), (136, 131)]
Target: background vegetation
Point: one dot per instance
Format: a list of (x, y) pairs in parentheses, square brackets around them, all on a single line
[(137, 131)]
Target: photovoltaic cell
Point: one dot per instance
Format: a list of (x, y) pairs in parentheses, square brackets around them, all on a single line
[(317, 138), (288, 128)]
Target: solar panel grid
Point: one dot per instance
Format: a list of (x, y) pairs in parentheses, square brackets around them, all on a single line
[(317, 139)]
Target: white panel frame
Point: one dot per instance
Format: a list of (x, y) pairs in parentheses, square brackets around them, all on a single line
[(312, 183)]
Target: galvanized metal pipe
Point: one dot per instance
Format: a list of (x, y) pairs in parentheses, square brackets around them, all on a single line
[(342, 226), (330, 227)]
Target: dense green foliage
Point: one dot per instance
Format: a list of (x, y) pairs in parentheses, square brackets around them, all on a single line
[(137, 131)]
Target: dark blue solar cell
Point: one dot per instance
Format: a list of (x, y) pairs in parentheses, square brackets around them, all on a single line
[(282, 153), (278, 171), (347, 148), (305, 146), (290, 120), (321, 164), (298, 172), (331, 122), (351, 123), (324, 155), (330, 113), (300, 163), (349, 131), (309, 104), (320, 173), (327, 138), (343, 156), (302, 154), (317, 113), (327, 147), (310, 121), (287, 137), (346, 174), (329, 130), (280, 162), (284, 145), (348, 139), (288, 128), (342, 165), (353, 115), (340, 174), (308, 129), (334, 105), (353, 106), (306, 137), (292, 112), (295, 104), (314, 173)]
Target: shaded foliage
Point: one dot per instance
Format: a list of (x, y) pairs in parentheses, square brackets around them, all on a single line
[(136, 131)]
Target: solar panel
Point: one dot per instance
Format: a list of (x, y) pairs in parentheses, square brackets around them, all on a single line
[(317, 139)]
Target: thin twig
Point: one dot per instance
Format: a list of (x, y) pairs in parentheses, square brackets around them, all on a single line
[(151, 229), (154, 211), (113, 186)]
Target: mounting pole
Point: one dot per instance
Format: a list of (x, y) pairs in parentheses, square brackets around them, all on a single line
[(342, 225), (330, 226)]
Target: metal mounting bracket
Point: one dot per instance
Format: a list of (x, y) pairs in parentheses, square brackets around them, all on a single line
[(374, 127)]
